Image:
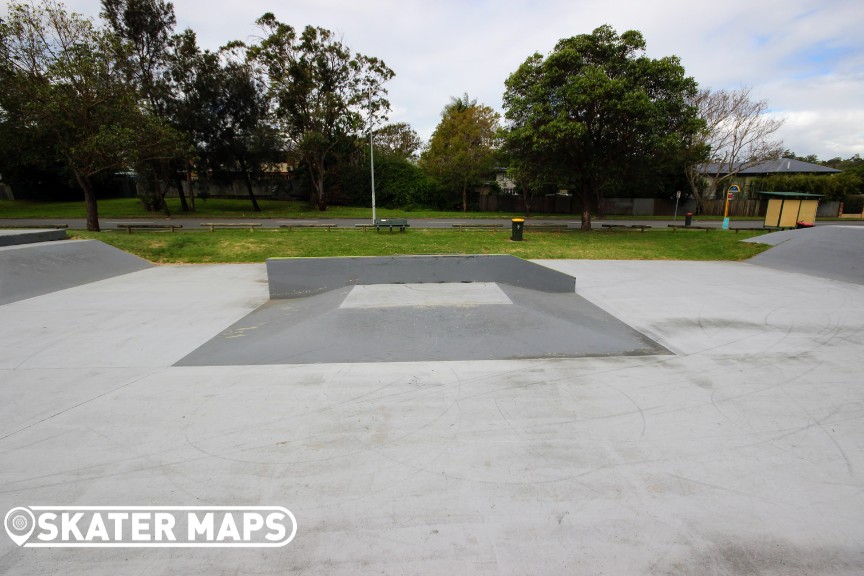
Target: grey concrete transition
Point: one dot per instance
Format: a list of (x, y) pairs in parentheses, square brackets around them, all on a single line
[(29, 270), (296, 277), (835, 252)]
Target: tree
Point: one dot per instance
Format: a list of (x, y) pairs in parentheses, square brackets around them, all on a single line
[(321, 91), (72, 94), (462, 148), (225, 110), (736, 134), (594, 106), (145, 27), (399, 182), (397, 139)]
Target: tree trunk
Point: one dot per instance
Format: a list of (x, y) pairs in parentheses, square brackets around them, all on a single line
[(318, 181), (89, 202), (587, 195), (248, 181), (191, 187), (184, 205), (586, 219), (163, 192), (464, 196), (322, 204)]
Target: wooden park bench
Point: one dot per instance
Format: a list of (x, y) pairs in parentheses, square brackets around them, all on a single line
[(214, 225), (292, 226), (675, 227), (493, 227), (549, 227), (641, 227), (129, 226)]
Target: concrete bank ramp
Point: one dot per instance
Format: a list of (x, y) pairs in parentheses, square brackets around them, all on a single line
[(835, 252), (30, 270), (419, 308)]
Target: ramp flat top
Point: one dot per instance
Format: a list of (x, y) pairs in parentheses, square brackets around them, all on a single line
[(28, 236)]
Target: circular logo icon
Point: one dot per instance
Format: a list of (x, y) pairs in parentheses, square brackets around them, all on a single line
[(19, 523)]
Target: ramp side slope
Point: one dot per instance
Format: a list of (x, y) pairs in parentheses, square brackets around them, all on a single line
[(31, 270), (834, 252)]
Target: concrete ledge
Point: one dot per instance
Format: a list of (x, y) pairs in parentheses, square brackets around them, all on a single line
[(300, 277), (18, 237)]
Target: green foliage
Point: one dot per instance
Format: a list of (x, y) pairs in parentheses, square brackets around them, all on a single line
[(398, 140), (461, 152), (853, 204), (399, 183), (66, 82), (322, 92), (833, 186), (145, 27), (584, 115)]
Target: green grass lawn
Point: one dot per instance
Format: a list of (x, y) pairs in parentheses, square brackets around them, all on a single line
[(230, 208), (257, 246), (224, 208)]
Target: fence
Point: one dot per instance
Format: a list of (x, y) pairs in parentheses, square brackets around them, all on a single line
[(553, 204), (736, 207)]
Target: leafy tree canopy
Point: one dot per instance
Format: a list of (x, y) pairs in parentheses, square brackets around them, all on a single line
[(67, 88), (461, 152), (594, 106), (321, 91)]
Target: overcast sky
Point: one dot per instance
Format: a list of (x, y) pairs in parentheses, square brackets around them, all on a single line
[(806, 57)]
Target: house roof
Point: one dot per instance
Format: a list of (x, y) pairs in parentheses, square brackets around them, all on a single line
[(778, 166)]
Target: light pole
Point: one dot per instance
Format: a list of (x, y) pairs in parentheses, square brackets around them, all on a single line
[(372, 157), (372, 168)]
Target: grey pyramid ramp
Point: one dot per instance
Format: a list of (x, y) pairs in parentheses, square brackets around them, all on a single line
[(835, 252), (31, 270), (494, 322), (300, 277)]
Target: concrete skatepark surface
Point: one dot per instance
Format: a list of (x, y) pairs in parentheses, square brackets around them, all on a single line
[(741, 453)]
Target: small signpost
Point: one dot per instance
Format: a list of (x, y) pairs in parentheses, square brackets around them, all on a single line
[(677, 199), (730, 195)]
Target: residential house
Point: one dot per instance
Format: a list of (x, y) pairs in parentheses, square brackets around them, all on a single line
[(744, 177)]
